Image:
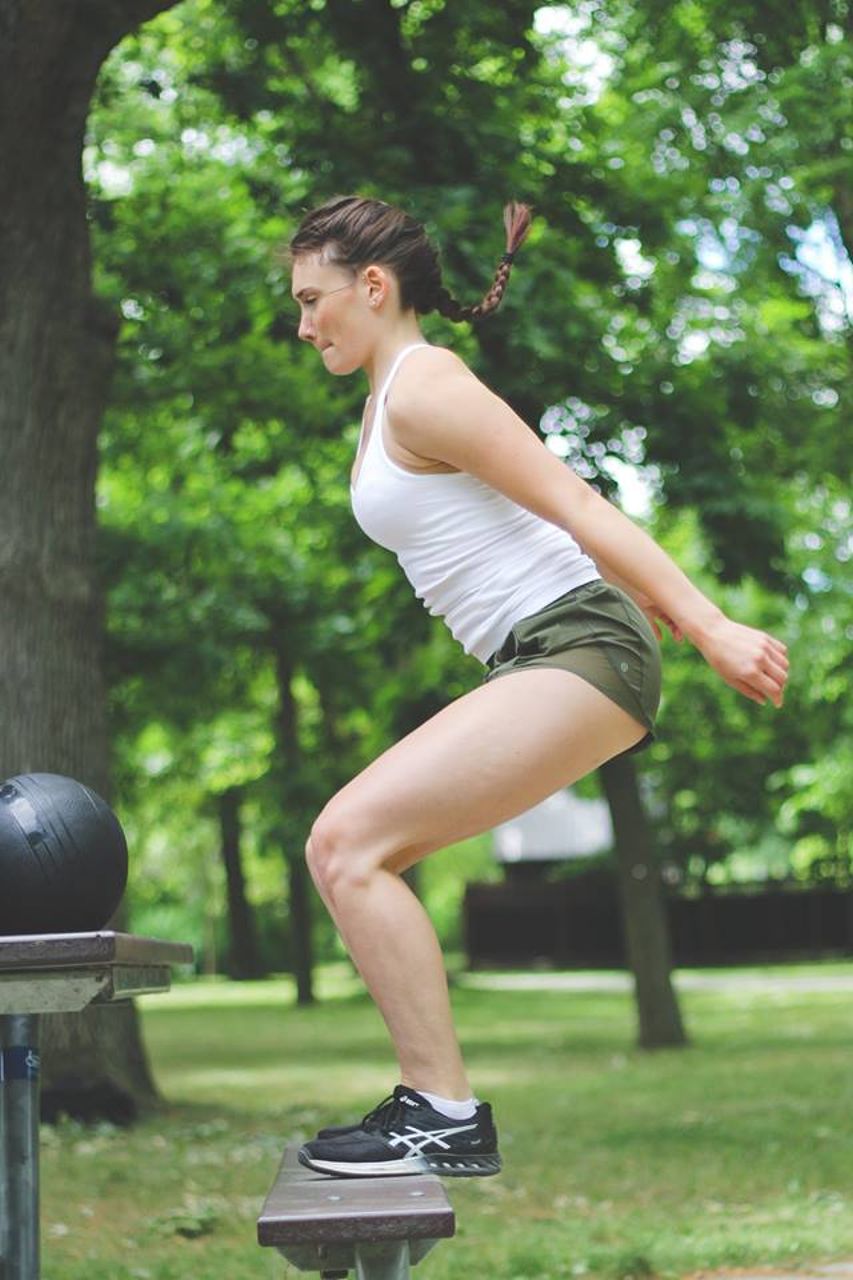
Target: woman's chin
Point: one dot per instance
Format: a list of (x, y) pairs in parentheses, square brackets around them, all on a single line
[(335, 364)]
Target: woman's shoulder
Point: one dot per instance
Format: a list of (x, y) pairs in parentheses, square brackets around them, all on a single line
[(426, 374), (427, 382), (438, 398)]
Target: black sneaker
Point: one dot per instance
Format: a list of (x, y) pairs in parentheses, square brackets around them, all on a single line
[(403, 1135)]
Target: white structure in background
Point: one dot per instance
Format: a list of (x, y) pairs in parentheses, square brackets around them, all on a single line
[(563, 826)]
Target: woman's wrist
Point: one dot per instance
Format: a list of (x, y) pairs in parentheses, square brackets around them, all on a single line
[(700, 622)]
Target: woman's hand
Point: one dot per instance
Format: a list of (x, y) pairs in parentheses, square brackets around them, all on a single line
[(751, 661)]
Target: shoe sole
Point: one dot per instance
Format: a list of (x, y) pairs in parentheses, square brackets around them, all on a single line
[(479, 1166)]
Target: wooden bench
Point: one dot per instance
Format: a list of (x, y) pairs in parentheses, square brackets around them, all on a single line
[(377, 1227)]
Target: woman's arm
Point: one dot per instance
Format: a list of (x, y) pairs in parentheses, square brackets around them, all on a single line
[(439, 410), (653, 611)]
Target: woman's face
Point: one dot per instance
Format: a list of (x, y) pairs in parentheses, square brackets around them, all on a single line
[(335, 311)]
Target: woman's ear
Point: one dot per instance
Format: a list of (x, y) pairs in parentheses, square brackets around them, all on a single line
[(377, 285)]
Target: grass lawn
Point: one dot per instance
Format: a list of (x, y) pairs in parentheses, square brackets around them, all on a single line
[(734, 1152)]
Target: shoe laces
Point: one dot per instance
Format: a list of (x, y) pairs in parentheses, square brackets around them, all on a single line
[(388, 1114), (374, 1118)]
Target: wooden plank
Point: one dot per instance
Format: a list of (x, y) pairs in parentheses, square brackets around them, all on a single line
[(305, 1207), (76, 950)]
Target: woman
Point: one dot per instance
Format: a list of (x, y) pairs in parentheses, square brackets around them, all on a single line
[(520, 556)]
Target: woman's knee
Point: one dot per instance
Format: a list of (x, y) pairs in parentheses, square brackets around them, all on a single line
[(336, 858)]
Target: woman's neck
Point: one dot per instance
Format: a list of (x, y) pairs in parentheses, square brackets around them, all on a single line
[(378, 364)]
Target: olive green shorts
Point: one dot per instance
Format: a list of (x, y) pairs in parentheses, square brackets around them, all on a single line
[(600, 634)]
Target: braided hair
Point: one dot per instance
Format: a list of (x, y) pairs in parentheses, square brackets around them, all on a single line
[(354, 231)]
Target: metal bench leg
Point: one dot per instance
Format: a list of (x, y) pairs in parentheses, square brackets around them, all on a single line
[(382, 1261), (19, 1150)]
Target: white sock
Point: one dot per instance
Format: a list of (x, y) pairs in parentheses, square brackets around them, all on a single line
[(449, 1107)]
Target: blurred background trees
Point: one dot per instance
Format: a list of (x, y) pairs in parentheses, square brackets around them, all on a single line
[(678, 327)]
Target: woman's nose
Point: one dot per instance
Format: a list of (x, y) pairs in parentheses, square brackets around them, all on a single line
[(306, 329)]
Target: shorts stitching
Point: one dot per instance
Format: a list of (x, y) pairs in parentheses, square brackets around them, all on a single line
[(631, 623)]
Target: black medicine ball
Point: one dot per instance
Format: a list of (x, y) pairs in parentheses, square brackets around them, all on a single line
[(63, 856)]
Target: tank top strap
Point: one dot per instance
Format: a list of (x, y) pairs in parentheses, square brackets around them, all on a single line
[(363, 449), (398, 360)]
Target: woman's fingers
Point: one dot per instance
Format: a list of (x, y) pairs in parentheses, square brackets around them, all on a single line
[(777, 674), (652, 616), (656, 617), (773, 688), (763, 684), (771, 684), (743, 685), (776, 669), (748, 691), (751, 661)]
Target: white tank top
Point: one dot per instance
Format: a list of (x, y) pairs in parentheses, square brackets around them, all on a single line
[(474, 557)]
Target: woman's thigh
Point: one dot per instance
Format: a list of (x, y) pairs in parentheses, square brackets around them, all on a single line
[(483, 759)]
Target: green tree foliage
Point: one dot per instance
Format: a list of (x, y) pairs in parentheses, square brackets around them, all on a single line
[(664, 316), (732, 112)]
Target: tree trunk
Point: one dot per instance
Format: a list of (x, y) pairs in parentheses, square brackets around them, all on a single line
[(293, 821), (56, 354), (243, 959), (643, 910), (95, 1066)]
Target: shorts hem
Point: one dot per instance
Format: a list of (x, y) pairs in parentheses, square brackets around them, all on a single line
[(641, 720), (596, 632)]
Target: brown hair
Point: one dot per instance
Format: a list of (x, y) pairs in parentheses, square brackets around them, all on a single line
[(355, 231)]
